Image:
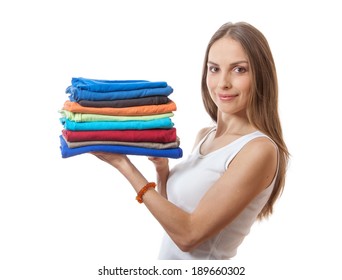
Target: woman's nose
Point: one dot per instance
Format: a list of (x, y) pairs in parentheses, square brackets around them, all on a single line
[(225, 82)]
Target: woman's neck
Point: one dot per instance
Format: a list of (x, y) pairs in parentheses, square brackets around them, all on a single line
[(233, 125)]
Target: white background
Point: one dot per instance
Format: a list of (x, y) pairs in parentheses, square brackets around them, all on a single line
[(66, 218)]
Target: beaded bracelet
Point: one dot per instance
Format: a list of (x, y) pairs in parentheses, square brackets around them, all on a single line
[(141, 193)]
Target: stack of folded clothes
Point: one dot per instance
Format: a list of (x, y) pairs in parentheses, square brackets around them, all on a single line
[(130, 117)]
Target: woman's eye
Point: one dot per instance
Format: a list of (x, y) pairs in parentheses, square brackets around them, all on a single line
[(240, 69), (213, 69)]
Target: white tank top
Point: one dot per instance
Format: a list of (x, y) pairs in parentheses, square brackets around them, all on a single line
[(190, 180)]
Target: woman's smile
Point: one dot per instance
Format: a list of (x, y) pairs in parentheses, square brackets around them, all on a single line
[(227, 97)]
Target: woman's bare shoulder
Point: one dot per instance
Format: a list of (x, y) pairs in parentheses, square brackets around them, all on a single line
[(201, 133)]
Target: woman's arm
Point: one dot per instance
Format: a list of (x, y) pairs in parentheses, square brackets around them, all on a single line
[(162, 166), (162, 169), (249, 173)]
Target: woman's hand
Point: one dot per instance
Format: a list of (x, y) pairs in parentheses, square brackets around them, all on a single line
[(115, 160), (160, 163)]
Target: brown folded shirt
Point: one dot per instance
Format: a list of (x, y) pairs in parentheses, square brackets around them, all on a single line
[(151, 145)]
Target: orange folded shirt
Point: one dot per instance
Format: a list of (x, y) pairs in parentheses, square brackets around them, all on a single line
[(127, 111)]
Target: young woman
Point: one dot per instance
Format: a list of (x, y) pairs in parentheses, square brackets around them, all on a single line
[(236, 171)]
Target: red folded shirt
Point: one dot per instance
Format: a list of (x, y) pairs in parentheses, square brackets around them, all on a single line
[(148, 135)]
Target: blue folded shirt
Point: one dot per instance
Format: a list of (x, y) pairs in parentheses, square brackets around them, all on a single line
[(114, 85), (127, 150), (77, 94)]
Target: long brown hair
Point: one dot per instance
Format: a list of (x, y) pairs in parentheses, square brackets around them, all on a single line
[(262, 109)]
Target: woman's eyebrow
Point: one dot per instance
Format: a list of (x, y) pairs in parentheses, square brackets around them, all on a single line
[(233, 63), (213, 63)]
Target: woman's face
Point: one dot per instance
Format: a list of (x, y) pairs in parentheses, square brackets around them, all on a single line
[(228, 76)]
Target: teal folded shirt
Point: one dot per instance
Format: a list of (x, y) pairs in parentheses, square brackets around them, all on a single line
[(117, 125)]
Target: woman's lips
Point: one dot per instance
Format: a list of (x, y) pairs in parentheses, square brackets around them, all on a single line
[(227, 97)]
